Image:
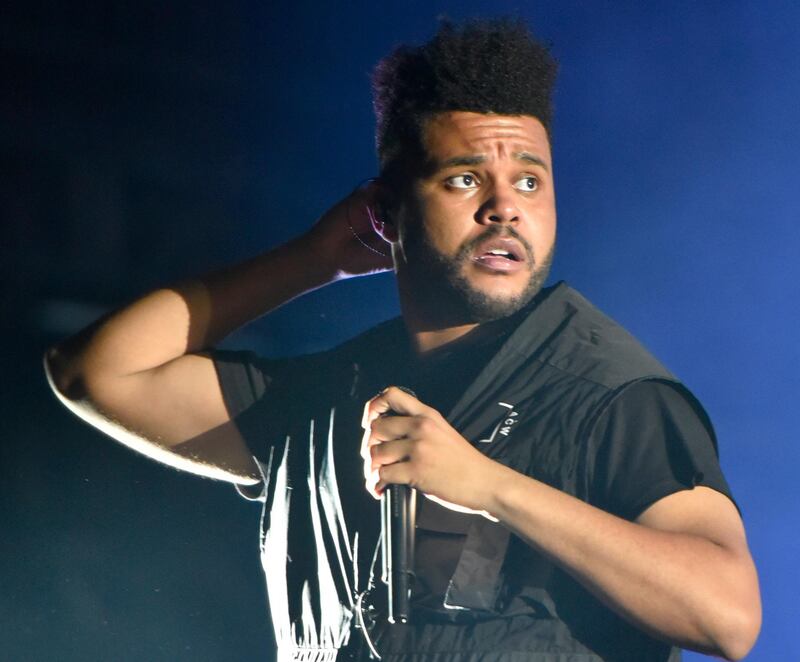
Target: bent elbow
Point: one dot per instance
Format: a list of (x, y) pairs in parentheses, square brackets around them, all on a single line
[(64, 375), (741, 633), (55, 369)]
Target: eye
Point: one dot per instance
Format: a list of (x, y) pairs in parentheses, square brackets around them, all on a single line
[(527, 183), (465, 181)]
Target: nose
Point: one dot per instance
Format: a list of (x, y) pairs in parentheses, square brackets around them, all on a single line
[(499, 207)]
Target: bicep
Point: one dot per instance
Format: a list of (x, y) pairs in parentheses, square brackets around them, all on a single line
[(704, 515), (702, 512), (175, 402)]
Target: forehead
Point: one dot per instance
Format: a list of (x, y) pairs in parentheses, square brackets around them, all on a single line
[(461, 133)]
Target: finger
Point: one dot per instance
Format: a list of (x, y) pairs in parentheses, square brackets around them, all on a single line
[(392, 399), (398, 473), (388, 428), (379, 405), (362, 203), (369, 475), (376, 243), (390, 452), (369, 444), (373, 458), (369, 187)]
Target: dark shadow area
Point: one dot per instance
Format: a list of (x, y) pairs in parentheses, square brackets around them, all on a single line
[(123, 164), (109, 555)]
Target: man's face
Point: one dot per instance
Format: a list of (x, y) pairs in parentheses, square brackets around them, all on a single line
[(477, 235)]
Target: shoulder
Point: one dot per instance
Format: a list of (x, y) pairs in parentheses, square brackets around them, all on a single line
[(668, 403), (585, 342), (652, 440), (246, 376), (384, 338)]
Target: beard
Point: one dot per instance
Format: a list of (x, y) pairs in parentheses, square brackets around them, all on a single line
[(441, 282)]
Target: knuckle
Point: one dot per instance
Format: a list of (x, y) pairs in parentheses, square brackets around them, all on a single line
[(425, 425)]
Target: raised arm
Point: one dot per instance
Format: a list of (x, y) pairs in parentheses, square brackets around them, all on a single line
[(141, 375)]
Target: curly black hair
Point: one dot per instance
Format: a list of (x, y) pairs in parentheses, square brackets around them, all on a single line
[(484, 66)]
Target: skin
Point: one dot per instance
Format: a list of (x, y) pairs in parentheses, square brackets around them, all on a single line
[(486, 174), (141, 374), (682, 571)]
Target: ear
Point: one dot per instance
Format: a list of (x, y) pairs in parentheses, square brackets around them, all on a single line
[(381, 214)]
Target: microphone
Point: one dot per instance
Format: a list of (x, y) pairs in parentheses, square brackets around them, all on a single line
[(398, 515), (398, 509)]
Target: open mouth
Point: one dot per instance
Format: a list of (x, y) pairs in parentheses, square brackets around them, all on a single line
[(500, 254)]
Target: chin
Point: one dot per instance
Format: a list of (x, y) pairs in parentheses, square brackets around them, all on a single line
[(486, 305), (497, 288), (488, 297), (456, 291)]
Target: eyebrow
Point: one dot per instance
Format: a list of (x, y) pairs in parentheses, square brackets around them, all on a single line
[(460, 161), (530, 158)]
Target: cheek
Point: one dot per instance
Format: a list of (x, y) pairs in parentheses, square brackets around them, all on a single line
[(544, 226), (446, 225), (547, 231)]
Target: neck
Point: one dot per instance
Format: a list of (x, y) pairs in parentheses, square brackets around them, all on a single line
[(426, 340), (430, 328)]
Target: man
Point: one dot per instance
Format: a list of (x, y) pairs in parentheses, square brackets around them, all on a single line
[(575, 510)]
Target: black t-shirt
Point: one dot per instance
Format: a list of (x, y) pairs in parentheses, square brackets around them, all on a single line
[(651, 441), (651, 444)]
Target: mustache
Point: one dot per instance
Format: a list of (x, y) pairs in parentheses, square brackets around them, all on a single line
[(492, 232)]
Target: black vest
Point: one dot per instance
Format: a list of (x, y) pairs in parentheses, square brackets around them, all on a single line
[(532, 408)]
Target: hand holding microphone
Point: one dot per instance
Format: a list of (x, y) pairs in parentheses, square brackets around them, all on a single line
[(398, 515), (408, 443)]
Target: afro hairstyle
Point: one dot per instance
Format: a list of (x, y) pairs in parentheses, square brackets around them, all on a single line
[(483, 66)]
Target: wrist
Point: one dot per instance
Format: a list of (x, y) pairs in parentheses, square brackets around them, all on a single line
[(506, 491), (309, 259), (498, 479)]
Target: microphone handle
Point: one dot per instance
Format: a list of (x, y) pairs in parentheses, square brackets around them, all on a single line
[(398, 523), (398, 511)]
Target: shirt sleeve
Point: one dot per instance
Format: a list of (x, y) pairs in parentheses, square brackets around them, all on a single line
[(242, 378), (255, 391), (652, 441), (262, 395)]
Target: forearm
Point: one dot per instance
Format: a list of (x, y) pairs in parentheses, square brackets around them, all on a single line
[(679, 587), (233, 297), (171, 322), (140, 374), (682, 572)]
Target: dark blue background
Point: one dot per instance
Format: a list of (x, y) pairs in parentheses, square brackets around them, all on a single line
[(144, 143)]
